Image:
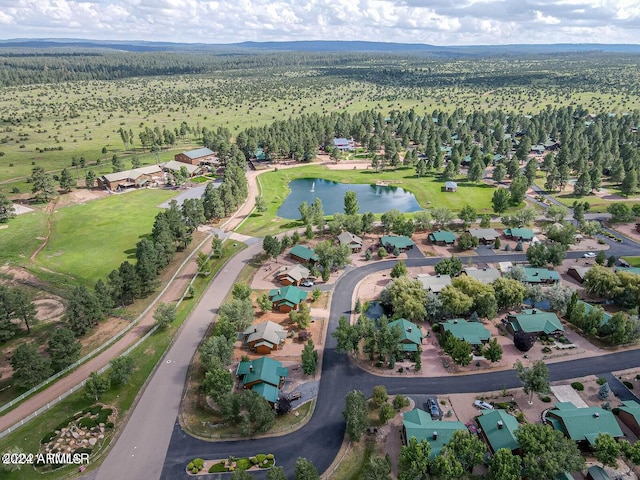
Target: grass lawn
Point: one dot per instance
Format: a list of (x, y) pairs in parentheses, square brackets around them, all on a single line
[(22, 237), (632, 261), (91, 239), (428, 192)]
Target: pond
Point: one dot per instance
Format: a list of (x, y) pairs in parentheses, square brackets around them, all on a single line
[(371, 198)]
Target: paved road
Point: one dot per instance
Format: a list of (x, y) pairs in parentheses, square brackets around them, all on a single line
[(153, 435), (140, 450), (321, 438)]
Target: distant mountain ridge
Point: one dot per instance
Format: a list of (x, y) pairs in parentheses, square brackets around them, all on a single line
[(318, 46)]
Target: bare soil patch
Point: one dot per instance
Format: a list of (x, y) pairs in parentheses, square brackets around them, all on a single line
[(81, 195), (48, 309)]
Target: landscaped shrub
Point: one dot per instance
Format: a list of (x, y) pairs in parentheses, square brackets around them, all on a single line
[(615, 410), (601, 381), (83, 450), (269, 456), (48, 437), (637, 377), (243, 464), (87, 422), (109, 425), (196, 465), (546, 350), (629, 385), (253, 460), (217, 468), (520, 417), (545, 399), (577, 386)]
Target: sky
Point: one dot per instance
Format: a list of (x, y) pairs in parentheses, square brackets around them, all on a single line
[(436, 22)]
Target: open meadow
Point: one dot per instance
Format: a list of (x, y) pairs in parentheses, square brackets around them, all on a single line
[(51, 123)]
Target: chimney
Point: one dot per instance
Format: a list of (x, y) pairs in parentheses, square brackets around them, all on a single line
[(484, 269), (435, 435), (455, 321), (251, 367), (534, 311), (278, 291), (409, 329), (500, 424), (596, 415)]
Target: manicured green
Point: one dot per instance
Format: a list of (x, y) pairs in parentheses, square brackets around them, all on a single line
[(91, 239), (427, 190)]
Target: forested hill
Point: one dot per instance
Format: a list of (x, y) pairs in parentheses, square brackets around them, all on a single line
[(317, 46), (36, 61)]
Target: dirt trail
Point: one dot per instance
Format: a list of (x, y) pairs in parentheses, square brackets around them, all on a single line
[(51, 207)]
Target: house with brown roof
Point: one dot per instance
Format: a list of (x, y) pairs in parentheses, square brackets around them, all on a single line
[(265, 337), (354, 242), (578, 272), (197, 156), (486, 236), (629, 414), (134, 178), (173, 166), (292, 275)]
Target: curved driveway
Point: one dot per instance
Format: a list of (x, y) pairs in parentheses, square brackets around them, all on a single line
[(320, 439)]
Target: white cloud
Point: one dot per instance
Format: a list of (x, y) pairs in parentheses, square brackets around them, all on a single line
[(441, 22)]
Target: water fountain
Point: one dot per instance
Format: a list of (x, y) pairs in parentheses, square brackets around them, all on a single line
[(313, 187)]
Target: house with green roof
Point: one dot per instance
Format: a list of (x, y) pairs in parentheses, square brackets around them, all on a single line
[(263, 375), (634, 270), (540, 275), (596, 472), (588, 307), (401, 242), (474, 333), (583, 425), (287, 298), (498, 428), (411, 334), (303, 254), (629, 414), (534, 321), (419, 425), (524, 234), (442, 237)]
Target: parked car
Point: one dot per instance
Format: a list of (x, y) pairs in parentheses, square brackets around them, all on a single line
[(483, 405), (472, 428), (589, 255), (434, 410), (307, 283)]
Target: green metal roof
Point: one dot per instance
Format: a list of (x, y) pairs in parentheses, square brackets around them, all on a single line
[(303, 252), (634, 270), (268, 392), (418, 424), (290, 295), (524, 233), (397, 241), (584, 423), (587, 308), (442, 236), (598, 473), (263, 369), (499, 437), (471, 332), (631, 407), (538, 275), (410, 332), (540, 321)]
